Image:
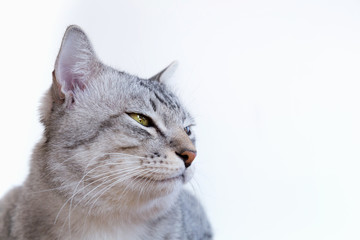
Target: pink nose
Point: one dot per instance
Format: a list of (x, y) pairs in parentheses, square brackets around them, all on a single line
[(188, 157)]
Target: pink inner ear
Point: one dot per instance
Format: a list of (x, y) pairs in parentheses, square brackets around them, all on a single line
[(77, 83), (64, 75), (70, 80), (72, 67)]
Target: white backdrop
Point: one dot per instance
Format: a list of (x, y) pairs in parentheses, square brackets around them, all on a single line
[(274, 86)]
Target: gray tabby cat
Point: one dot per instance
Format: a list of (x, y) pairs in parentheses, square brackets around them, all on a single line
[(115, 154)]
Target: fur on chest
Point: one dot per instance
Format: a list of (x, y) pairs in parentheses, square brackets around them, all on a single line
[(168, 226), (114, 232)]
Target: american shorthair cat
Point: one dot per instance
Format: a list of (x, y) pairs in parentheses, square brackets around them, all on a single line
[(115, 154)]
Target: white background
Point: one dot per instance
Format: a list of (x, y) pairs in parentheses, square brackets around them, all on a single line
[(274, 86)]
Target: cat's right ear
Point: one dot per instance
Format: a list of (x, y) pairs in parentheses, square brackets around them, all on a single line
[(164, 75), (75, 64)]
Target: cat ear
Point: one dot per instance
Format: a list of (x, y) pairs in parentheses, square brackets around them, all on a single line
[(167, 73), (75, 64)]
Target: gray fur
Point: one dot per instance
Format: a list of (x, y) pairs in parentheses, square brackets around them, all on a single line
[(99, 174)]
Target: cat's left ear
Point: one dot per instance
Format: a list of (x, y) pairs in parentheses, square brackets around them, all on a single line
[(166, 73), (74, 66)]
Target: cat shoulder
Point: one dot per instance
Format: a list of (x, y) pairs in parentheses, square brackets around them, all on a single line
[(8, 207), (194, 219)]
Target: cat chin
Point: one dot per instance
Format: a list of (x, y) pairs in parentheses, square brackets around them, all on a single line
[(163, 181), (164, 186), (160, 188)]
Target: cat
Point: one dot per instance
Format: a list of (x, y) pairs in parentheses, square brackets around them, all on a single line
[(114, 156)]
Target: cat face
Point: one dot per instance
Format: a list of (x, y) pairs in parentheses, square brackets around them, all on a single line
[(113, 138)]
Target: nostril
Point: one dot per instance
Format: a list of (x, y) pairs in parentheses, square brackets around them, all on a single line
[(183, 157), (187, 156)]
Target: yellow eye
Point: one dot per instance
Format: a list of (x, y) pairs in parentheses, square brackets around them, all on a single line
[(145, 121)]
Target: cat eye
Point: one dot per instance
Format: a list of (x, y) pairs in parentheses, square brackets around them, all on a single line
[(187, 130), (143, 120)]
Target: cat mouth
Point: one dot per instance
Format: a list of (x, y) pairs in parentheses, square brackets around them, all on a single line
[(166, 180)]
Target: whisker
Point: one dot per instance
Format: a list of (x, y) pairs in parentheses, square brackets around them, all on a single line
[(104, 178), (81, 180), (121, 178), (116, 173), (112, 173), (101, 192)]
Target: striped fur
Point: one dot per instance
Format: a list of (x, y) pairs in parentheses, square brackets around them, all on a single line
[(99, 174)]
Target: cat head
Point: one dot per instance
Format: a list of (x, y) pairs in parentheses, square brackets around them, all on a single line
[(112, 137)]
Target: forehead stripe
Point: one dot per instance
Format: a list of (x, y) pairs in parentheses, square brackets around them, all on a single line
[(168, 99), (153, 105)]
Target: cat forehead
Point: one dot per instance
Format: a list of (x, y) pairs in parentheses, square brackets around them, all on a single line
[(144, 95)]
